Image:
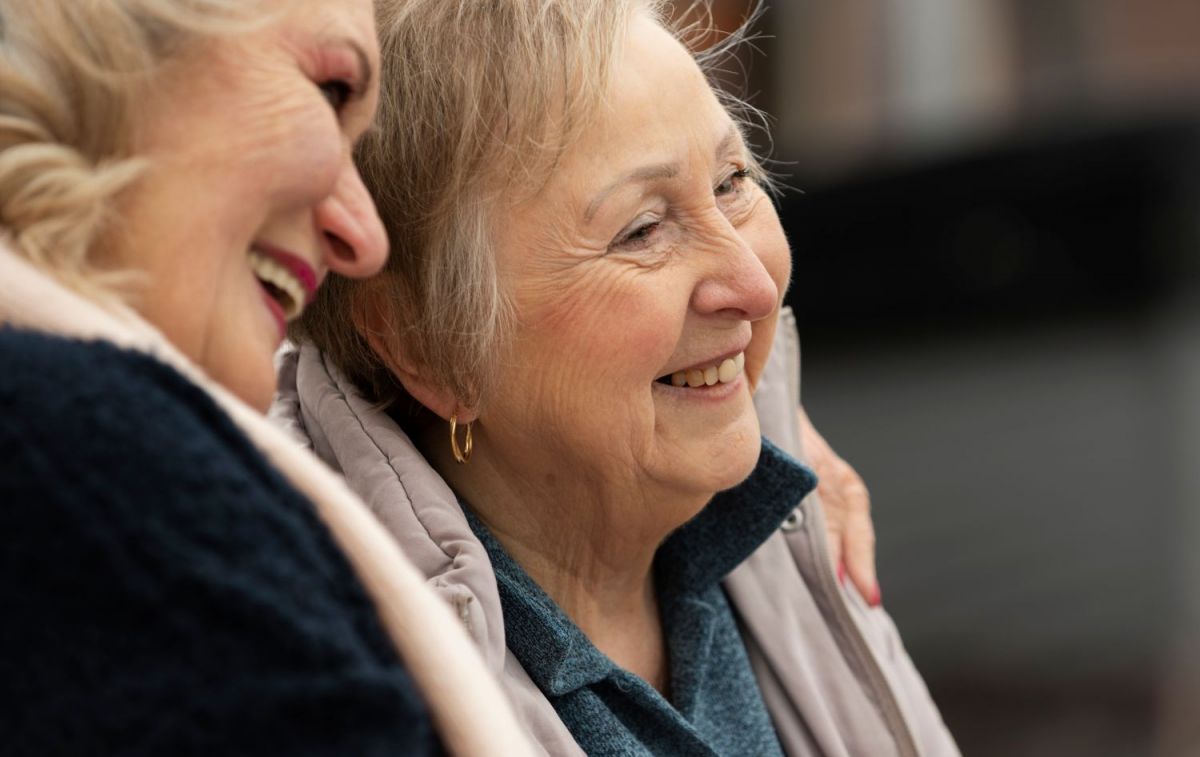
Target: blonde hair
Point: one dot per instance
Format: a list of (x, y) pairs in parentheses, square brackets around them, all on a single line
[(477, 99), (71, 75)]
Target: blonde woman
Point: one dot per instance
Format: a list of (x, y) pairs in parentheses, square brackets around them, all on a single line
[(549, 394), (178, 577)]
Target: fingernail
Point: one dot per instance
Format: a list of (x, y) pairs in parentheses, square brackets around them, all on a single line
[(876, 597), (841, 572)]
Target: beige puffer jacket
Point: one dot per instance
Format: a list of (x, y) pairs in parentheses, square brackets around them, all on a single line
[(833, 672)]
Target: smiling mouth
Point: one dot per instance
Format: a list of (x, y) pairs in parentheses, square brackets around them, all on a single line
[(695, 378), (282, 285)]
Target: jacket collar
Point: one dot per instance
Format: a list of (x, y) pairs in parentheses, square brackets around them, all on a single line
[(555, 652), (735, 523), (353, 435)]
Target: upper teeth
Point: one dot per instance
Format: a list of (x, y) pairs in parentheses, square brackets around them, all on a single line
[(727, 371), (271, 271)]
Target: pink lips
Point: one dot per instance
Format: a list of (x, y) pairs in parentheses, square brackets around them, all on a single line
[(296, 265)]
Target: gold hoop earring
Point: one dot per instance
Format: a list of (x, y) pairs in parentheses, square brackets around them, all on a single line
[(461, 454)]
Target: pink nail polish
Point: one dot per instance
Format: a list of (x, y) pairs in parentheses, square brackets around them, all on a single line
[(841, 572), (876, 597)]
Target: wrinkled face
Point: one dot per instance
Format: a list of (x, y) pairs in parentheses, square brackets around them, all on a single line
[(252, 197), (646, 279)]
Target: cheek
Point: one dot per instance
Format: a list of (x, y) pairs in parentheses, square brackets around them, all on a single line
[(304, 166), (317, 156), (765, 236), (288, 150), (623, 326)]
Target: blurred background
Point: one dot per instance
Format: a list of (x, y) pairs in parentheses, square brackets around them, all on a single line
[(995, 217)]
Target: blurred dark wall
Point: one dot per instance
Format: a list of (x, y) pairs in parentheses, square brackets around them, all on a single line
[(994, 340), (995, 220)]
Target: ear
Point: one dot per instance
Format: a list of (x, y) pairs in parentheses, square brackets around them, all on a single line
[(373, 321)]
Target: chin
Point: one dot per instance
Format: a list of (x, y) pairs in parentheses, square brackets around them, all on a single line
[(737, 454), (260, 400), (254, 387), (745, 463)]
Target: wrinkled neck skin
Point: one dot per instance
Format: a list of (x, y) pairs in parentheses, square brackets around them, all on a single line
[(589, 543)]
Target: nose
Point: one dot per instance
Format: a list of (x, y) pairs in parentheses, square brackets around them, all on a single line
[(356, 243), (736, 283)]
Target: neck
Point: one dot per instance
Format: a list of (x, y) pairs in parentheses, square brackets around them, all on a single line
[(589, 543)]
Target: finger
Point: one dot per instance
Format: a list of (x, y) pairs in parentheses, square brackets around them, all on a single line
[(835, 540), (834, 510), (847, 506), (859, 550)]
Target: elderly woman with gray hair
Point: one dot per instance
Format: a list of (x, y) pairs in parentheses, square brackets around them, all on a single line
[(549, 393)]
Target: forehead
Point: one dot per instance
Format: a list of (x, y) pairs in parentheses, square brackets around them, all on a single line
[(659, 108)]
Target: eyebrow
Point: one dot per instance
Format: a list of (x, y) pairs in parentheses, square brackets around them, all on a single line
[(639, 175), (657, 171)]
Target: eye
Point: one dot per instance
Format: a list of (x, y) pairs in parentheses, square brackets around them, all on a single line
[(639, 236), (337, 92), (733, 183), (641, 233)]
